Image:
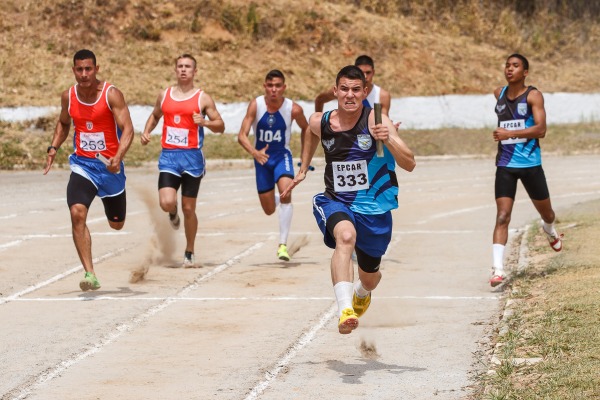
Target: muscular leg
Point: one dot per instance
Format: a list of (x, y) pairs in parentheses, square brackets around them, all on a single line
[(267, 201), (190, 221), (81, 236), (369, 280), (167, 198), (342, 269), (504, 206), (286, 210), (544, 207)]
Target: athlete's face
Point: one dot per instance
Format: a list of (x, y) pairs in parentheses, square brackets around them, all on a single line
[(369, 73), (274, 88), (185, 69), (514, 71), (350, 93), (85, 72)]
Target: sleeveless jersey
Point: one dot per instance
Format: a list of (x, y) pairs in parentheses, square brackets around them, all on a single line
[(516, 114), (354, 175), (180, 132), (272, 129), (373, 97), (95, 127)]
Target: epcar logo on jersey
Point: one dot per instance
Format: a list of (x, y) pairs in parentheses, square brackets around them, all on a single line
[(364, 141), (522, 108), (328, 143), (500, 107)]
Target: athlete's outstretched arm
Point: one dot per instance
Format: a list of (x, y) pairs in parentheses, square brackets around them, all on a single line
[(116, 100), (61, 131), (261, 155), (215, 123), (311, 140), (153, 119)]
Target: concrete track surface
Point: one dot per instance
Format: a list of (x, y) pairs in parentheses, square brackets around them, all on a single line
[(244, 325)]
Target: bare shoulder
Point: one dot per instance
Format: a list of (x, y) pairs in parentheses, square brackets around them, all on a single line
[(497, 91)]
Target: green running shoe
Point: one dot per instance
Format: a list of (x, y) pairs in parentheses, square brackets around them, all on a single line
[(282, 253), (89, 282)]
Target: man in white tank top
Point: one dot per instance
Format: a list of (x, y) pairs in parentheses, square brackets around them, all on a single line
[(375, 94)]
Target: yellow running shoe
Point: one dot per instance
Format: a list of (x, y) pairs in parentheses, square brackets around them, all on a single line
[(348, 321), (361, 304), (89, 282), (282, 253)]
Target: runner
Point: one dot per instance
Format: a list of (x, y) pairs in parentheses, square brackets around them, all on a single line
[(361, 189), (102, 128), (521, 123), (181, 161), (270, 116)]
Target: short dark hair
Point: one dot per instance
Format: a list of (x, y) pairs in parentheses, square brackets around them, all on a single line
[(84, 54), (351, 72), (186, 55), (274, 73), (522, 58), (364, 60)]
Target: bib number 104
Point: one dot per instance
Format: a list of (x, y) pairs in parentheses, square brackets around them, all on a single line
[(269, 136)]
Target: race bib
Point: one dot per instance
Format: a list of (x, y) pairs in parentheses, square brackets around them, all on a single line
[(350, 176), (513, 125), (177, 136), (92, 141)]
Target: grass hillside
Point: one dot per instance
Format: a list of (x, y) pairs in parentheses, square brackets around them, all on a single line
[(428, 47)]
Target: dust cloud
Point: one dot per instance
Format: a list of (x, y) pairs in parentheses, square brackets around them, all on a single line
[(162, 246)]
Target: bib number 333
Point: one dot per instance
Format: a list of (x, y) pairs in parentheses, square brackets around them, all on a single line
[(350, 176)]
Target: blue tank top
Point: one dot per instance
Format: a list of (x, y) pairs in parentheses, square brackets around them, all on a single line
[(514, 115), (354, 175), (274, 129)]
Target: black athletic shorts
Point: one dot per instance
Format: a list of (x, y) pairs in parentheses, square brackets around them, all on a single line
[(533, 179), (82, 191), (190, 185)]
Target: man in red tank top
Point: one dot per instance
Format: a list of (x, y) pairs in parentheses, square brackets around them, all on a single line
[(183, 108), (103, 132)]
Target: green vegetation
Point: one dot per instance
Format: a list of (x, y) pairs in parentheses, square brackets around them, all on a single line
[(551, 345)]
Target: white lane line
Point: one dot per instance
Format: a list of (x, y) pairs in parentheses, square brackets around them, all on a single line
[(304, 340), (55, 278), (261, 299), (120, 329)]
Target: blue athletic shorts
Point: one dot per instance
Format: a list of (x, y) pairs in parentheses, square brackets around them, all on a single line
[(178, 162), (279, 164), (107, 183), (373, 232)]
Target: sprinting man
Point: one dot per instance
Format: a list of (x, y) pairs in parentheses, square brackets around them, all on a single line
[(375, 94), (102, 126), (361, 189), (181, 163), (270, 116), (521, 124)]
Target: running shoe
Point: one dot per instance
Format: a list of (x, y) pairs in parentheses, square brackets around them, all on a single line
[(361, 304), (282, 253), (188, 260), (89, 282), (555, 240), (497, 278), (348, 321), (174, 220)]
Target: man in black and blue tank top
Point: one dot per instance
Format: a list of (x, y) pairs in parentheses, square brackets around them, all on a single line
[(361, 189), (521, 124)]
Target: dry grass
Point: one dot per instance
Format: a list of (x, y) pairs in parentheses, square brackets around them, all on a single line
[(555, 318), (420, 48)]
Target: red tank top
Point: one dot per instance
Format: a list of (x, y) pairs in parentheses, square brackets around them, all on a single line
[(179, 129), (96, 130)]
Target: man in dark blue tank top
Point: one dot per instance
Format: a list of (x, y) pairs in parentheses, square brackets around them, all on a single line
[(354, 212), (521, 124)]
